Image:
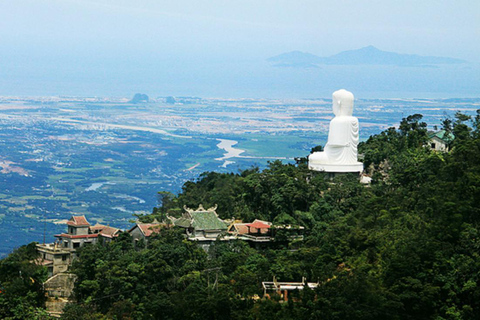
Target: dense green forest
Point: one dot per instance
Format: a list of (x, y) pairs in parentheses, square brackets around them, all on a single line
[(404, 247)]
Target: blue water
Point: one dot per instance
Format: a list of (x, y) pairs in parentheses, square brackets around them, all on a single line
[(234, 79)]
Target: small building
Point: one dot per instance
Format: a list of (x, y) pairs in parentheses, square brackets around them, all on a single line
[(283, 288), (58, 256), (440, 140), (143, 231), (105, 233), (256, 231), (263, 231), (55, 258), (80, 233)]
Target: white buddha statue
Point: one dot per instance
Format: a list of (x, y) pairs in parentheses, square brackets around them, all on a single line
[(340, 152)]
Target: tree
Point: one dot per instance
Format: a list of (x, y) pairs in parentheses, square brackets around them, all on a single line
[(21, 279)]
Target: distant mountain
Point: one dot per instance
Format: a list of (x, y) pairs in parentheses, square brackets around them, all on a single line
[(296, 59), (364, 56), (139, 98)]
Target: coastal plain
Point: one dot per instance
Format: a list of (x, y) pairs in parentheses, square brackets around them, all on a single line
[(107, 158)]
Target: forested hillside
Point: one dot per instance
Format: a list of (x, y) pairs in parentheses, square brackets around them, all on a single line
[(404, 247)]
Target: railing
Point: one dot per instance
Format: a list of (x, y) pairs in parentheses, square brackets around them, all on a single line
[(52, 247), (256, 238)]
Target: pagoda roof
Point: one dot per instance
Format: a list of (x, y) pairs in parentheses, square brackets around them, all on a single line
[(200, 219), (258, 225), (207, 220), (183, 222), (78, 221)]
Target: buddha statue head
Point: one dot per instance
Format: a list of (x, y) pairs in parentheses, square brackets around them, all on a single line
[(342, 103)]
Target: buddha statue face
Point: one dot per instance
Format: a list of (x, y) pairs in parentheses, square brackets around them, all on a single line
[(342, 103)]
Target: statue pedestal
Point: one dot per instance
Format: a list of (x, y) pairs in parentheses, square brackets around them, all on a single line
[(354, 167)]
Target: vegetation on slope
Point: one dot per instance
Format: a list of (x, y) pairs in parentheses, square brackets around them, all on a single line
[(21, 289), (404, 247)]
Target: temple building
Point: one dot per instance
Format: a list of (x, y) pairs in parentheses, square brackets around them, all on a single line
[(80, 232), (202, 225), (58, 256)]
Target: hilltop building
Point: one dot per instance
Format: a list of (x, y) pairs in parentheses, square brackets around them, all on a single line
[(283, 288), (54, 257), (260, 231), (440, 140), (143, 231), (58, 256), (202, 225), (80, 232), (256, 231)]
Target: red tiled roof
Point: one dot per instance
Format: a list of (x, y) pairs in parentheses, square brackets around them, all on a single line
[(97, 227), (106, 231), (258, 225), (69, 236), (78, 221), (241, 228), (147, 228)]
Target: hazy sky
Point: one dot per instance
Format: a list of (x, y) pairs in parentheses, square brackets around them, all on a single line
[(425, 27), (38, 34)]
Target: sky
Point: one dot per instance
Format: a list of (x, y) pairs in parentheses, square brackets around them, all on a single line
[(60, 46)]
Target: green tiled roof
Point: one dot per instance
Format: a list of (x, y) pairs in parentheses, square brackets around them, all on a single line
[(207, 220), (442, 134), (182, 222)]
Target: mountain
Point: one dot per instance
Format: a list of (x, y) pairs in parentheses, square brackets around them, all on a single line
[(363, 56), (296, 59), (139, 98)]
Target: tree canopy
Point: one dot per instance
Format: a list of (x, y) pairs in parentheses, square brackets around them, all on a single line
[(405, 246)]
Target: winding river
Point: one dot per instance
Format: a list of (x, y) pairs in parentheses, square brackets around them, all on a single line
[(232, 152)]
